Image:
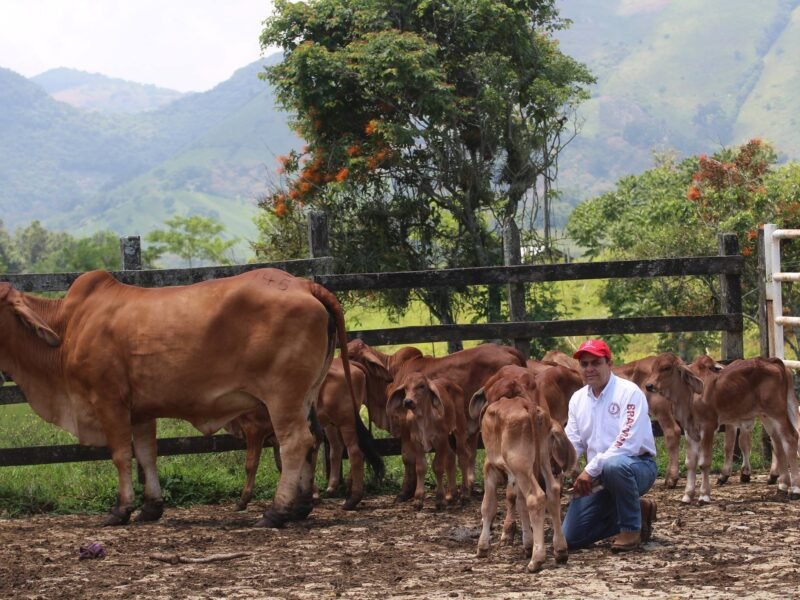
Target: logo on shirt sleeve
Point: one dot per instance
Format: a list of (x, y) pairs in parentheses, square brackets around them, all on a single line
[(613, 409)]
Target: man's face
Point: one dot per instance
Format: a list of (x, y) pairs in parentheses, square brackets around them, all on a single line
[(595, 370)]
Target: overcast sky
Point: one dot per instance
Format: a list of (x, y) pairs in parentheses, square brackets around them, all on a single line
[(185, 45)]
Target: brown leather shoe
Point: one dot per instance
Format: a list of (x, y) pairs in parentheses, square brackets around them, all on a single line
[(648, 508), (627, 541)]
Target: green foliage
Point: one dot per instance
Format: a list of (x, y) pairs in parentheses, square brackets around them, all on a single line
[(34, 249), (192, 239), (678, 209)]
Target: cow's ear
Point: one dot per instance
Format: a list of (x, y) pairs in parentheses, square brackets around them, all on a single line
[(694, 382), (29, 317), (395, 402), (375, 367), (477, 403), (437, 392)]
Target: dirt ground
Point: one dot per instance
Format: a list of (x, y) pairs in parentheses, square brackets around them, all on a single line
[(743, 545)]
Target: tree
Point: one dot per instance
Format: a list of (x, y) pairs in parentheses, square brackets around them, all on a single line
[(191, 239), (678, 209), (427, 123)]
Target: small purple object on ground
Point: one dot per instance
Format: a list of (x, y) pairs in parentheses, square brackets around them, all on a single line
[(93, 550)]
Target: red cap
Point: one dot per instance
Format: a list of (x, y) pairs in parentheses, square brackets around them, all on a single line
[(596, 347)]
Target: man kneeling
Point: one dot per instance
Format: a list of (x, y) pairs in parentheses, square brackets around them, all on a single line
[(608, 421)]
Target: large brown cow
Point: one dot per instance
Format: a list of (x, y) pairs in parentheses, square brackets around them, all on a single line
[(521, 440), (343, 428), (660, 409), (756, 387), (108, 359)]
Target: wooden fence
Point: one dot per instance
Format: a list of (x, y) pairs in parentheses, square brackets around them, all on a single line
[(727, 266)]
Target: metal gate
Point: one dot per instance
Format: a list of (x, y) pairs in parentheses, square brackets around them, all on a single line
[(776, 320)]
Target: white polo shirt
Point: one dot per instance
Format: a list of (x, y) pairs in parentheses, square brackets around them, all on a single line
[(615, 423)]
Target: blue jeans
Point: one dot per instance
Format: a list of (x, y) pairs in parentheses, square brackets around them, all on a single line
[(613, 509)]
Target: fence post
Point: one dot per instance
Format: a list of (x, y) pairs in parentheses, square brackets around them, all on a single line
[(516, 291), (731, 299), (318, 234), (131, 249), (763, 320)]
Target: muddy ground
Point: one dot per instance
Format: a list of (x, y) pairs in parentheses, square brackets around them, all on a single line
[(743, 545)]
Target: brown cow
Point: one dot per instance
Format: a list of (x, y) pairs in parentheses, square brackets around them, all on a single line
[(108, 359), (381, 369), (706, 368), (343, 428), (426, 412), (743, 390), (468, 369), (521, 440), (552, 387), (660, 409)]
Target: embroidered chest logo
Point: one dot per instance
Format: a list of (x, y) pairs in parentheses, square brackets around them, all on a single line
[(613, 409)]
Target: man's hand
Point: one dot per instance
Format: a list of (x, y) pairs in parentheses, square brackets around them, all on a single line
[(583, 484)]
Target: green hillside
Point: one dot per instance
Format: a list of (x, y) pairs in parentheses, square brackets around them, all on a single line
[(93, 91), (678, 75), (674, 75)]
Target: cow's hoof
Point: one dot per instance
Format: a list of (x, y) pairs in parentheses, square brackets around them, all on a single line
[(118, 516), (271, 520), (562, 557), (704, 501), (151, 511), (403, 497), (241, 506), (794, 496), (722, 480), (418, 505), (671, 482), (535, 566), (686, 500), (351, 503), (744, 477), (483, 552), (772, 480)]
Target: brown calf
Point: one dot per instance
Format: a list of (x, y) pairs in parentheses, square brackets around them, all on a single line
[(426, 412), (660, 409), (521, 440), (381, 369), (743, 390)]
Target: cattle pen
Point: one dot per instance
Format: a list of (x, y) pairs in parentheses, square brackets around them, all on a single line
[(728, 266)]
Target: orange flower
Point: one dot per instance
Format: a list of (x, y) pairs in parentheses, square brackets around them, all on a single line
[(747, 251), (281, 210), (693, 193), (353, 150), (342, 175), (371, 127)]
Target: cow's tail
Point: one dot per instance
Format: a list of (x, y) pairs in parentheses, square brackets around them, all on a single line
[(365, 440)]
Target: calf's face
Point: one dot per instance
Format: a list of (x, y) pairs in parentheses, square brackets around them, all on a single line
[(670, 378), (413, 398)]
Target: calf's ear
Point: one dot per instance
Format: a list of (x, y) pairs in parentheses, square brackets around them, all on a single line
[(690, 379), (437, 393), (29, 317), (477, 404), (395, 402)]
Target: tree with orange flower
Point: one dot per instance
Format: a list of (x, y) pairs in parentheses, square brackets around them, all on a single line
[(429, 125)]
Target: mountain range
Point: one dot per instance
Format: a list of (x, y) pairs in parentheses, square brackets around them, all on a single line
[(82, 152)]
